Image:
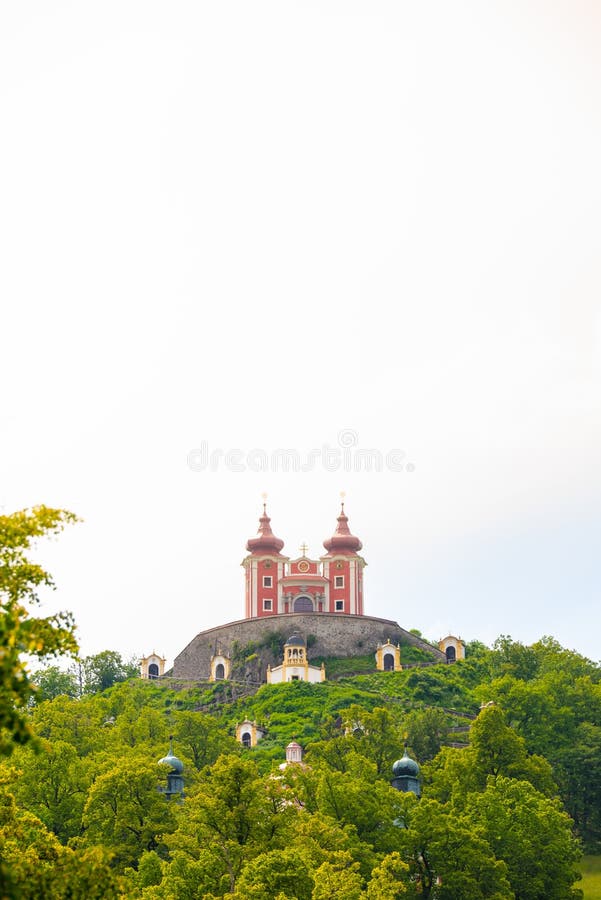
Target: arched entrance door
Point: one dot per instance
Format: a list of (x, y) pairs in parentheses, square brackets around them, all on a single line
[(246, 739), (388, 662), (153, 670), (219, 672), (450, 654), (303, 604)]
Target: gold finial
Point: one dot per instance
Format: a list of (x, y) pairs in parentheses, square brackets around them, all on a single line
[(303, 549), (264, 496), (342, 496)]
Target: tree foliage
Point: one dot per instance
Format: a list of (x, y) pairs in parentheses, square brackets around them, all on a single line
[(22, 633), (489, 824), (103, 670), (124, 811)]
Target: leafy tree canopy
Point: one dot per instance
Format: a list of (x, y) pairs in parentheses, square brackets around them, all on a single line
[(22, 633)]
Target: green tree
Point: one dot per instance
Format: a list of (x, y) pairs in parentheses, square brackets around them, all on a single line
[(141, 727), (201, 738), (377, 735), (426, 730), (355, 798), (105, 669), (579, 777), (272, 873), (509, 657), (498, 750), (21, 633), (125, 812), (338, 879), (555, 658), (547, 710), (495, 749), (53, 784), (148, 874), (531, 834), (319, 838), (448, 857), (52, 682), (389, 879), (234, 815), (33, 864), (80, 723)]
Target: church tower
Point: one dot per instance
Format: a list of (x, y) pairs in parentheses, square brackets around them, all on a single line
[(264, 568), (343, 567)]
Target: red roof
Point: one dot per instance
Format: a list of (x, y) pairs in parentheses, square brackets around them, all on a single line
[(266, 542), (342, 541)]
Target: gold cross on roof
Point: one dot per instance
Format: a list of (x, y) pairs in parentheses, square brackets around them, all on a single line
[(303, 549)]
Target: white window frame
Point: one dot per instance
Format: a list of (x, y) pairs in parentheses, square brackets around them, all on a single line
[(267, 581), (338, 581), (267, 604), (339, 605)]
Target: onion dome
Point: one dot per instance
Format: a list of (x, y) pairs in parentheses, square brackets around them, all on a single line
[(176, 764), (266, 541), (295, 640), (342, 541), (405, 767)]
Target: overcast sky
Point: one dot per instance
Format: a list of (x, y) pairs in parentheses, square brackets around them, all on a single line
[(251, 227)]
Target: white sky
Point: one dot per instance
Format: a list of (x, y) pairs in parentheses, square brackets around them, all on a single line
[(267, 225)]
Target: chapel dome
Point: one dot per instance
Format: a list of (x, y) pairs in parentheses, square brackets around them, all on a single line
[(295, 640), (176, 764), (405, 767)]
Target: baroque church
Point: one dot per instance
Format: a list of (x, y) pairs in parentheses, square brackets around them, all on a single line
[(297, 610), (318, 603)]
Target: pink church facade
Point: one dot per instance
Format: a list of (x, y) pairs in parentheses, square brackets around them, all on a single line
[(277, 585)]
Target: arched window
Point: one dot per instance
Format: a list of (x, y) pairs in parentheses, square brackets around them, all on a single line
[(388, 662), (246, 739), (153, 670), (450, 653), (219, 672), (303, 604)]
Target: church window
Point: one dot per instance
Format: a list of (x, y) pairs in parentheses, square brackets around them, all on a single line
[(267, 606), (339, 605), (267, 581), (339, 581)]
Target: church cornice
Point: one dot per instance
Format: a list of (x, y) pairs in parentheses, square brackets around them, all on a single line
[(276, 557), (304, 578)]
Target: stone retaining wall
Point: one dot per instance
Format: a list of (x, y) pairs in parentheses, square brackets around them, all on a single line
[(327, 634)]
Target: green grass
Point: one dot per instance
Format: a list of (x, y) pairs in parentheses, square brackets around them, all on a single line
[(591, 877)]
